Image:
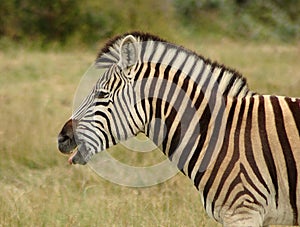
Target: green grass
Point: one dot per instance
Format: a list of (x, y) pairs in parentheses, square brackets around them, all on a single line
[(39, 188)]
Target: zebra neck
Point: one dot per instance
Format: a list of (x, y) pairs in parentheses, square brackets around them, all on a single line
[(186, 102), (189, 138), (183, 118)]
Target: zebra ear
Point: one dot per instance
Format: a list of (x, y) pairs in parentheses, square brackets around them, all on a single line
[(128, 52)]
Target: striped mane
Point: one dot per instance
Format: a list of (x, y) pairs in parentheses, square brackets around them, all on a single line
[(234, 81)]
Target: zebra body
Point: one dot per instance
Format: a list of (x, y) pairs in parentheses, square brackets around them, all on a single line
[(256, 170), (241, 149)]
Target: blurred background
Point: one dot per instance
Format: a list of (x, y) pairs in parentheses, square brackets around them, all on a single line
[(45, 48), (75, 21)]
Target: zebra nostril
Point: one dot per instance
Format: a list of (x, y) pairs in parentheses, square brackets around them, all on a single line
[(62, 139)]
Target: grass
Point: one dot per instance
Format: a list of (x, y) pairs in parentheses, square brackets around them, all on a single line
[(39, 188)]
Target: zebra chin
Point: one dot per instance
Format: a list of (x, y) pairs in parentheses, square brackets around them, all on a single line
[(77, 158), (81, 155)]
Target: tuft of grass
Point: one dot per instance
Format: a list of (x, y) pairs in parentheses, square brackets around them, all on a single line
[(39, 188)]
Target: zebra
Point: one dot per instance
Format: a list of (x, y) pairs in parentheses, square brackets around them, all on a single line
[(240, 149)]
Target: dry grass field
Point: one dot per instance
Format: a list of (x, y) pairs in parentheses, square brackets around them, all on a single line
[(38, 186)]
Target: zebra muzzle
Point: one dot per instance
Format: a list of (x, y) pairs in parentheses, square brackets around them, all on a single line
[(67, 144), (66, 139)]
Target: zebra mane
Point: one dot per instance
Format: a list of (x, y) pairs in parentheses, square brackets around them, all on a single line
[(110, 54)]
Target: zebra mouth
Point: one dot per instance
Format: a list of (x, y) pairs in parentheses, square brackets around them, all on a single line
[(79, 155), (73, 154)]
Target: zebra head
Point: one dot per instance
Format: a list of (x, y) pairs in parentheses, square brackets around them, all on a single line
[(106, 114)]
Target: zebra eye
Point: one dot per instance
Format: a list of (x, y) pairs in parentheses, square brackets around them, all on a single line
[(101, 94)]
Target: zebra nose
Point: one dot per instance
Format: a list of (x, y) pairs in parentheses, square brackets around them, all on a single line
[(66, 141)]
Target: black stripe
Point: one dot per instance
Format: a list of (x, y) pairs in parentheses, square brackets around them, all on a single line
[(288, 156), (190, 141), (153, 81), (233, 183), (142, 92), (199, 100), (169, 121), (143, 104), (240, 89), (181, 73), (117, 131), (266, 146), (156, 71), (148, 70), (157, 103), (295, 109), (181, 94), (89, 114), (170, 93), (123, 104), (229, 86), (120, 123), (176, 139), (102, 103), (112, 80), (103, 133), (248, 179), (192, 95), (128, 93), (150, 111), (97, 128), (216, 129), (248, 145), (204, 122), (167, 72), (241, 204), (224, 149), (223, 153), (162, 84), (138, 73), (186, 83), (220, 75), (108, 124), (86, 136), (136, 66), (137, 111)]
